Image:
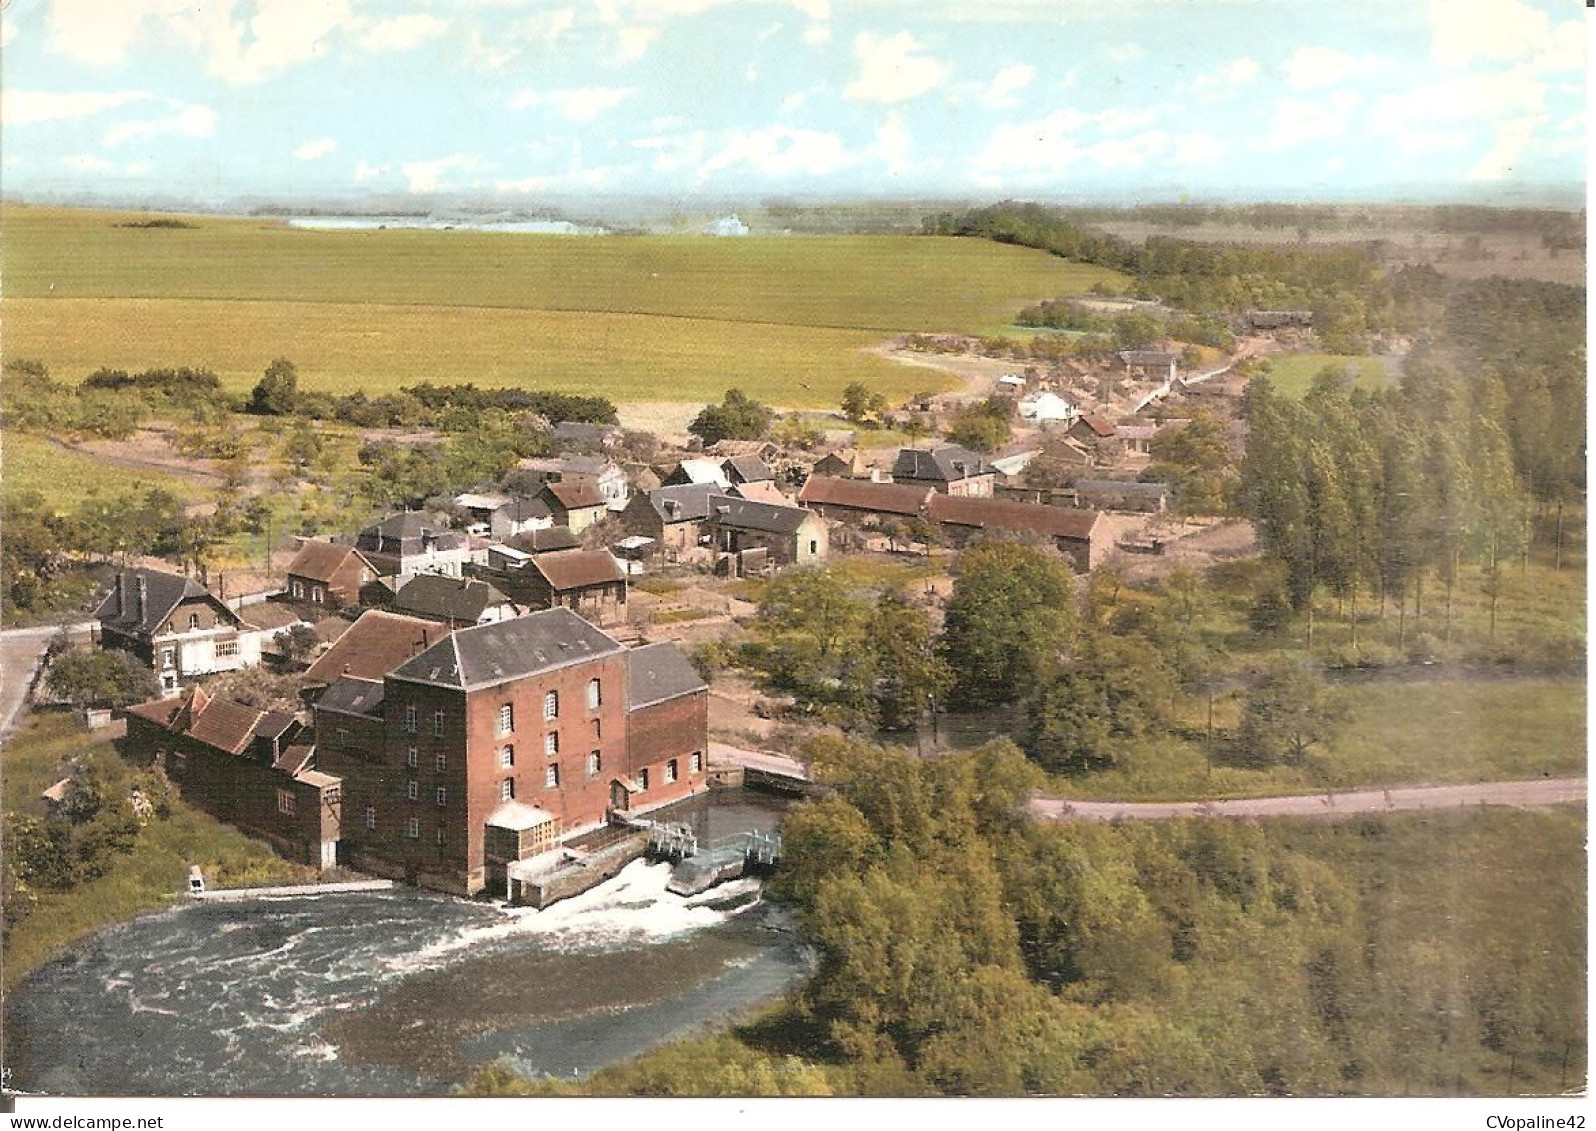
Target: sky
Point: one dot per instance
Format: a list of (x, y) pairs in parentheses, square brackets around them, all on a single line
[(517, 100)]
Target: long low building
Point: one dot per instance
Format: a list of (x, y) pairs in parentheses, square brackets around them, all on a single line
[(1086, 537), (853, 499)]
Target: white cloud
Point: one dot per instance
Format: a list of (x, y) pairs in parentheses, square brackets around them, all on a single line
[(427, 176), (674, 153), (490, 58), (892, 70), (578, 104), (1300, 120), (401, 33), (892, 143), (282, 34), (25, 107), (190, 121), (365, 171), (89, 163), (1468, 100), (1006, 83), (1196, 149), (779, 151), (312, 150), (1495, 30), (632, 43), (1128, 152), (796, 100), (1237, 72), (819, 10), (1512, 139), (8, 32), (817, 34), (1311, 68), (97, 33), (1045, 145), (1125, 53)]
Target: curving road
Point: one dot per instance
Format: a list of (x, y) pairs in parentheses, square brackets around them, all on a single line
[(1538, 793)]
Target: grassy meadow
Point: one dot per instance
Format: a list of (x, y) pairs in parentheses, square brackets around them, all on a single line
[(1292, 374), (33, 463), (634, 317)]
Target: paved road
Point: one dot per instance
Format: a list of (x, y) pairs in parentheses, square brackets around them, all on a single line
[(1534, 794), (21, 649)]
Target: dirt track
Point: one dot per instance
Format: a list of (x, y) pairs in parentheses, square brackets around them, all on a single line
[(1535, 794)]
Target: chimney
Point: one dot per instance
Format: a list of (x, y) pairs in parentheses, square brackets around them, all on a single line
[(144, 592)]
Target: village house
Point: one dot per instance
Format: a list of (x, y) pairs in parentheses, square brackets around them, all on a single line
[(600, 472), (176, 626), (697, 472), (1085, 537), (517, 516), (1091, 430), (547, 541), (575, 506), (673, 517), (327, 575), (948, 469), (759, 493), (479, 508), (496, 741), (245, 766), (1046, 408), (1152, 365), (741, 470), (589, 582), (788, 535), (413, 543), (844, 464), (455, 602), (1135, 437), (854, 500)]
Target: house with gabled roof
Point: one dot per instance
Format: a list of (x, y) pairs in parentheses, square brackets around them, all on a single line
[(413, 542), (590, 582), (789, 535), (243, 765), (739, 470), (327, 575), (371, 648), (455, 602), (518, 516), (175, 625), (674, 517), (574, 505), (948, 469), (857, 499), (697, 472), (1085, 537)]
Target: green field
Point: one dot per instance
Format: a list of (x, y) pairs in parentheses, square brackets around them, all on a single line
[(1292, 374), (633, 317), (1394, 733), (33, 463)]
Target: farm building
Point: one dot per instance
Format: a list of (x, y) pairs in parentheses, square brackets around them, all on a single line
[(519, 516), (1046, 408), (1119, 495), (574, 505), (673, 516), (697, 472), (413, 543), (455, 602), (590, 582), (855, 499), (1083, 536), (1154, 365)]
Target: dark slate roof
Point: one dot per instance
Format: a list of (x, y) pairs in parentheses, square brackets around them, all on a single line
[(543, 541), (745, 514), (657, 672), (512, 649), (273, 723), (1122, 487), (446, 598), (692, 501), (945, 464), (163, 592), (272, 614), (410, 524), (352, 697), (751, 468), (578, 430), (520, 510)]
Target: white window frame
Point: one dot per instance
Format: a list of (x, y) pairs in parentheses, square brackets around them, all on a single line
[(410, 719), (412, 757), (285, 802), (551, 704), (670, 772), (551, 776), (371, 818), (440, 762), (506, 756), (595, 764), (642, 780), (551, 744), (441, 795), (437, 724), (595, 694), (695, 763), (507, 789), (506, 720), (413, 828), (412, 791)]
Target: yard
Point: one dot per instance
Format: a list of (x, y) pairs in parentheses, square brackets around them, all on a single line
[(1292, 374)]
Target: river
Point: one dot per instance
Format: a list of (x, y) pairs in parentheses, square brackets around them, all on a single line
[(397, 992)]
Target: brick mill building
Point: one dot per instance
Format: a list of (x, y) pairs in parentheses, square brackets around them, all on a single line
[(497, 740), (483, 748)]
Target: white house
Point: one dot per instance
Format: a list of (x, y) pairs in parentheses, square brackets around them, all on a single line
[(1047, 408)]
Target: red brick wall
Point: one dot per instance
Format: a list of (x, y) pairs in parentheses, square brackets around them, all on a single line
[(677, 728)]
